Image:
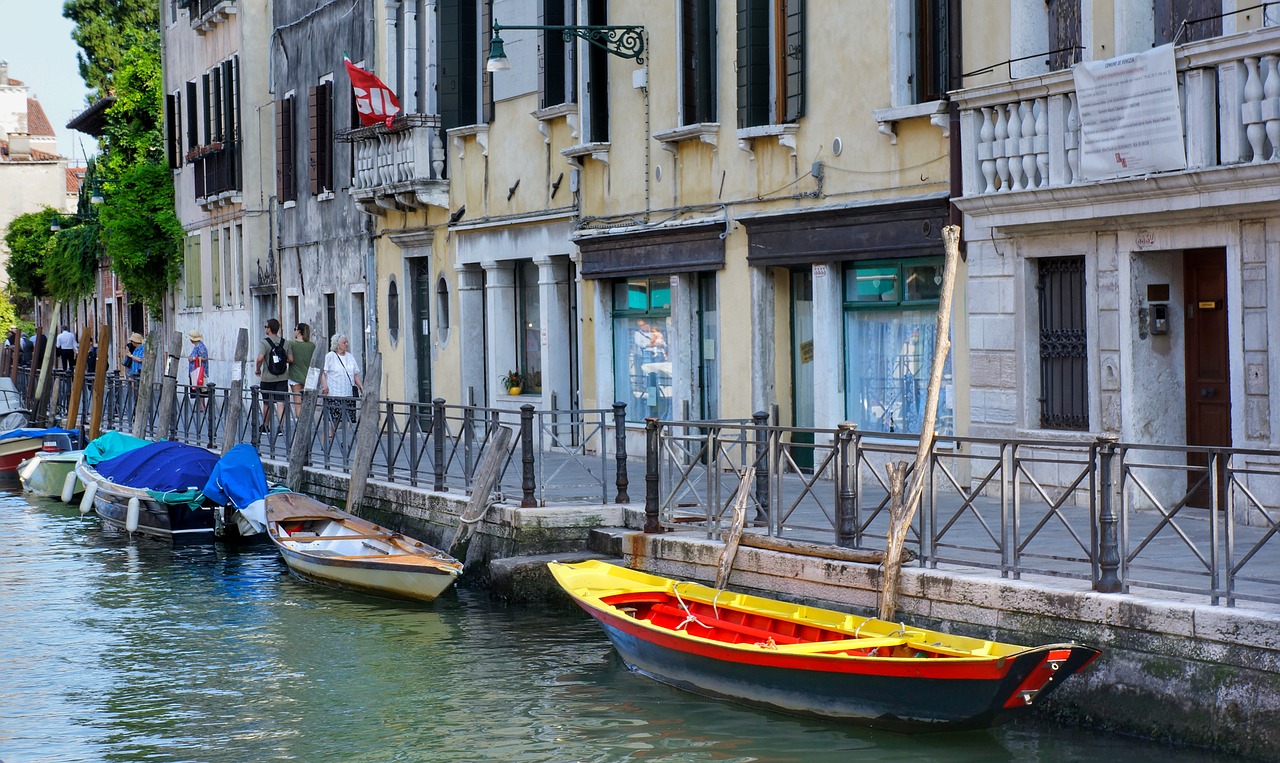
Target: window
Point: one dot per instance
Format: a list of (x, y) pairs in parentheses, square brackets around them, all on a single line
[(442, 309), (641, 365), (358, 321), (559, 72), (215, 265), (708, 342), (528, 326), (393, 311), (320, 114), (285, 190), (458, 89), (771, 53), (597, 79), (929, 28), (294, 317), (173, 134), (228, 270), (331, 316), (1170, 15), (891, 310), (1064, 346), (1064, 33), (193, 117), (239, 252), (697, 61), (191, 271)]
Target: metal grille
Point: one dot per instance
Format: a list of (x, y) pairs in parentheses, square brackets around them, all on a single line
[(1064, 383)]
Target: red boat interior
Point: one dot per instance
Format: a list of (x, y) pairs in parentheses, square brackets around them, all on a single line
[(733, 626)]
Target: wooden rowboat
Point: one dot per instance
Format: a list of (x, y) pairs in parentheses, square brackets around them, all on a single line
[(326, 545), (812, 661)]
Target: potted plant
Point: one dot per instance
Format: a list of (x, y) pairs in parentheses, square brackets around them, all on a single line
[(512, 381)]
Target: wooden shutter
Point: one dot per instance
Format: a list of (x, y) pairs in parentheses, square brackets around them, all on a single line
[(753, 63), (208, 127), (931, 31), (793, 55), (697, 57), (598, 77), (459, 62), (1064, 33), (1170, 14), (284, 150), (193, 116), (313, 141), (230, 128), (173, 129), (554, 50), (324, 130)]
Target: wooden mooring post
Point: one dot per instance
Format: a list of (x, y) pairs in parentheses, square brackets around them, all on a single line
[(43, 387), (235, 399), (169, 387), (77, 379), (367, 428), (142, 405), (99, 383), (305, 428)]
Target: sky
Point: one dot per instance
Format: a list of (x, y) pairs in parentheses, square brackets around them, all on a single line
[(36, 41)]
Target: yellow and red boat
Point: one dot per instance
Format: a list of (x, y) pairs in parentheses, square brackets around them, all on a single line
[(812, 661)]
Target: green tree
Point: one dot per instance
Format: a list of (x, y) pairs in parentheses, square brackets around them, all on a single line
[(141, 231), (28, 238), (101, 30)]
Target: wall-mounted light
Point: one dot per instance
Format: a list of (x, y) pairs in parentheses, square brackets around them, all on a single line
[(621, 41)]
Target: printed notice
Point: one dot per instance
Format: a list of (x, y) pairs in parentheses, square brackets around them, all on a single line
[(1130, 120)]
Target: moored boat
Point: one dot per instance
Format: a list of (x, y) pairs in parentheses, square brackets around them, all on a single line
[(326, 545), (50, 472), (18, 445), (812, 661), (153, 490)]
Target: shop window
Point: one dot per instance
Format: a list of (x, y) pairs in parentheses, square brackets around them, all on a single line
[(529, 327), (891, 311), (641, 363)]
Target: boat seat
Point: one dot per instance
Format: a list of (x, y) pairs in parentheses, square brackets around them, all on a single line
[(313, 538), (713, 623), (822, 647)]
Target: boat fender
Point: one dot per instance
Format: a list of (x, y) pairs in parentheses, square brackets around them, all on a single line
[(69, 487), (86, 503), (131, 516)]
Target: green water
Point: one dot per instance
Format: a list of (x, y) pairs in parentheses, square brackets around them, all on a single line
[(112, 650)]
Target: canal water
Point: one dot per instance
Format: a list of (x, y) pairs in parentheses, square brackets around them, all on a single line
[(119, 650)]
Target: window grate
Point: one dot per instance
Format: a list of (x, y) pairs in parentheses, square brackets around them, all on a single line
[(1064, 347)]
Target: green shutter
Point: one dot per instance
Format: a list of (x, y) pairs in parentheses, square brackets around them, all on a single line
[(753, 63), (793, 59)]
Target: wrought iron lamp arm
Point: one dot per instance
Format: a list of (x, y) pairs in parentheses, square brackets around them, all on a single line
[(621, 41)]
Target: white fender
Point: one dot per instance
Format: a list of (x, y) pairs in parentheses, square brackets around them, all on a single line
[(86, 503), (131, 516), (69, 487)]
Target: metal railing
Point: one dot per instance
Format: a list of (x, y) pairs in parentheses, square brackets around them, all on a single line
[(1194, 521)]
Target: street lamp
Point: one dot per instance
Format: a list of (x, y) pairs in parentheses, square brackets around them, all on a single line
[(621, 41)]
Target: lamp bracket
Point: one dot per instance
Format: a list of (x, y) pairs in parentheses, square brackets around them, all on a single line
[(621, 41)]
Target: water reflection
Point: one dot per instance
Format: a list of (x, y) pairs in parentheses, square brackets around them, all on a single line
[(119, 650)]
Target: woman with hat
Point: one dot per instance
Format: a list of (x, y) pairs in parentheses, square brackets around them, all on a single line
[(197, 361), (133, 357)]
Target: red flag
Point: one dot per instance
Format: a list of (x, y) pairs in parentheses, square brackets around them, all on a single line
[(374, 100)]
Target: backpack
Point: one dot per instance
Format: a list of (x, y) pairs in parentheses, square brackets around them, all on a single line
[(277, 359)]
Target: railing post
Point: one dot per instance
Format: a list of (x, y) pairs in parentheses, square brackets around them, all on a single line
[(651, 523), (1108, 540), (845, 495), (438, 430), (760, 420), (620, 451), (209, 397), (528, 485)]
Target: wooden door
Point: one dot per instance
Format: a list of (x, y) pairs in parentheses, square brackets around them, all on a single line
[(1208, 360)]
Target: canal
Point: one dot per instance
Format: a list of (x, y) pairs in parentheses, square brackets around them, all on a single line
[(118, 650)]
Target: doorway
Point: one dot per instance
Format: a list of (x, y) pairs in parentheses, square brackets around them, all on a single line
[(1208, 364), (421, 326), (802, 365)]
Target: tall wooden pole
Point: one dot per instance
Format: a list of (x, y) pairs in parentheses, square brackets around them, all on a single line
[(99, 382), (305, 427), (169, 387), (142, 410), (46, 372), (77, 380), (902, 510), (367, 426), (235, 396)]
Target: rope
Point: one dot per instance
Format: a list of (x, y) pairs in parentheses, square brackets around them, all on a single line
[(690, 617)]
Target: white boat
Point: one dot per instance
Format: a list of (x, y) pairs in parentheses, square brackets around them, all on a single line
[(52, 474), (326, 545)]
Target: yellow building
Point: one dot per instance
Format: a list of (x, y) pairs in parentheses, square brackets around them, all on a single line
[(744, 214)]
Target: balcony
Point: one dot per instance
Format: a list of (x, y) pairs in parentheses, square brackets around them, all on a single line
[(399, 168), (207, 14), (1020, 140)]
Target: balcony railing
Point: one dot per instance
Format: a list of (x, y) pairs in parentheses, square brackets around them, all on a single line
[(1025, 135), (207, 14), (400, 167)]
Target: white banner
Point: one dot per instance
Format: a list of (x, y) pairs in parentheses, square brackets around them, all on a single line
[(1130, 120)]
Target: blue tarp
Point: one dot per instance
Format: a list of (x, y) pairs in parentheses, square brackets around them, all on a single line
[(237, 479), (160, 466), (14, 433), (109, 445)]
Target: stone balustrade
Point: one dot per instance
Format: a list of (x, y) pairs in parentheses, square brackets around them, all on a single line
[(401, 167)]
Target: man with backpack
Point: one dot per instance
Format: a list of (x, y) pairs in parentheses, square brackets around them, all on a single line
[(274, 357)]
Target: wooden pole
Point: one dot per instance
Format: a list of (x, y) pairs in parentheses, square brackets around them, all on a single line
[(902, 510), (77, 379), (305, 426), (169, 387), (235, 396), (44, 386), (367, 428), (142, 408), (734, 536), (99, 382), (495, 455)]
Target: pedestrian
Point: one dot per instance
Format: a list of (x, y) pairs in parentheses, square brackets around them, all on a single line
[(272, 366), (134, 353), (340, 382), (303, 350), (198, 366), (65, 348)]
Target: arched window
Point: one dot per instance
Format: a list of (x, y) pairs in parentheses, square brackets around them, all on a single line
[(393, 311), (442, 309)]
